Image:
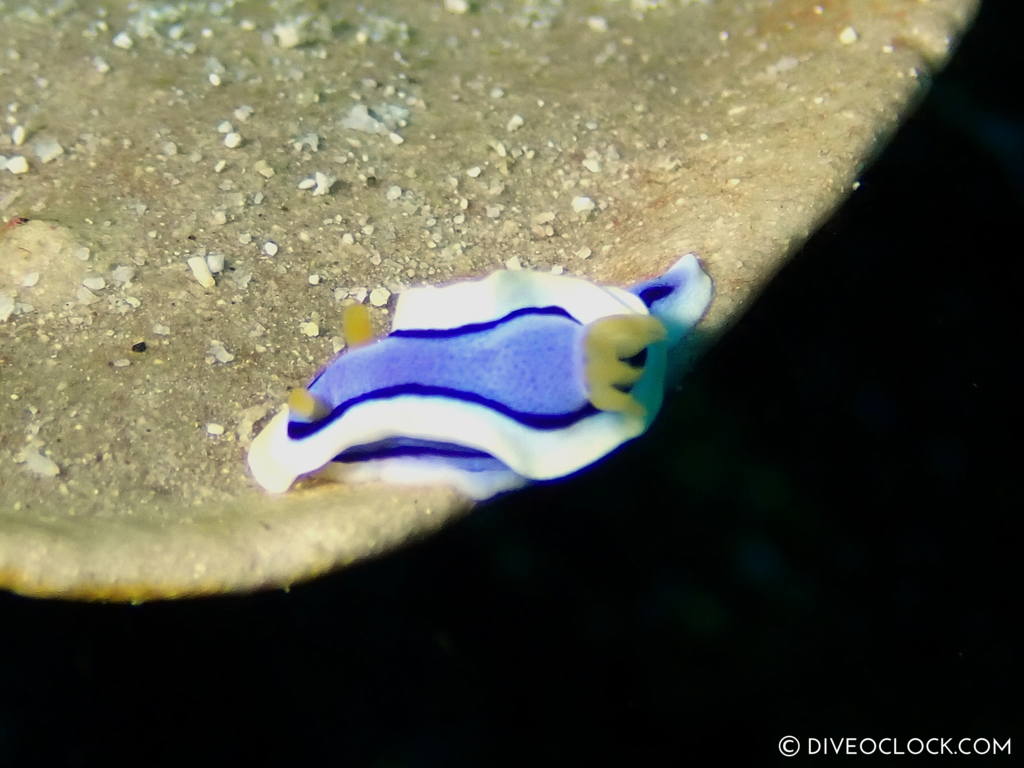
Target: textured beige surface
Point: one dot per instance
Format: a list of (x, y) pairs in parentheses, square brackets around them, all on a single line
[(725, 128)]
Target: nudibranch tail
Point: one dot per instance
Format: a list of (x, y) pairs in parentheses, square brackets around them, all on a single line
[(356, 326)]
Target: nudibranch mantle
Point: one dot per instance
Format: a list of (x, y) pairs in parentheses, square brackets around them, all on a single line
[(489, 384)]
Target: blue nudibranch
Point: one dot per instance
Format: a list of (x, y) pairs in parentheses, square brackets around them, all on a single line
[(488, 384)]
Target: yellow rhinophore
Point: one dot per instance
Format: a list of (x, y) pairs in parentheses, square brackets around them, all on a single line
[(356, 326)]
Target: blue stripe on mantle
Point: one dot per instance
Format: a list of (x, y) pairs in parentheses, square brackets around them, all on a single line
[(547, 421)]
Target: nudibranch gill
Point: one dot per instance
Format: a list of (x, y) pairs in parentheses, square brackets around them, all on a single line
[(487, 384)]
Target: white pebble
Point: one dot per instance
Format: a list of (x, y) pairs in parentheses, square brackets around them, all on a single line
[(30, 280), (262, 167), (323, 183), (513, 264), (122, 40), (123, 274), (214, 79), (215, 429), (219, 353), (848, 35), (224, 126), (592, 164), (233, 140), (473, 172), (309, 329), (18, 135), (359, 118), (121, 362), (583, 204), (314, 279), (40, 465), (290, 33), (94, 283), (393, 193), (201, 271), (47, 149), (270, 248), (379, 296), (515, 123), (17, 164), (456, 6), (215, 261), (100, 64)]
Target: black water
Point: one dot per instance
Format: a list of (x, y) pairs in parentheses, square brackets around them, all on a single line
[(820, 539)]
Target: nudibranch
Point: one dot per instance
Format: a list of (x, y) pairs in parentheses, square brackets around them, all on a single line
[(487, 384)]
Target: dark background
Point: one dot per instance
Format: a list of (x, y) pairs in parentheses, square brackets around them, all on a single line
[(820, 538)]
